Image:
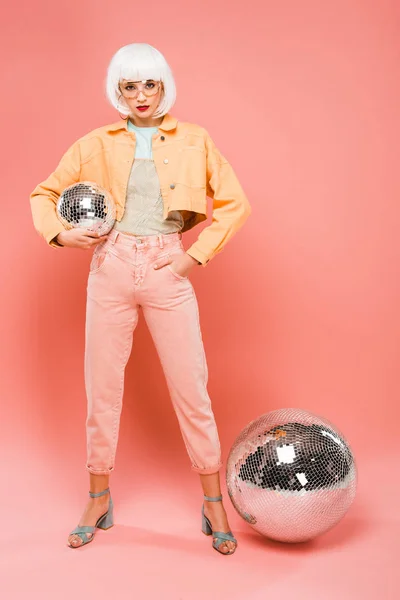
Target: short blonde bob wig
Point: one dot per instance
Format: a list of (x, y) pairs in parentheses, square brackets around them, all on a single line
[(137, 62)]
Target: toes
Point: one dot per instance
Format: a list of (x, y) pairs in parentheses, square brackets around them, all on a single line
[(229, 546), (225, 547), (75, 540)]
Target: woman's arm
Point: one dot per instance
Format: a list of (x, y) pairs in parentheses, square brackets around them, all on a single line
[(231, 207), (44, 197)]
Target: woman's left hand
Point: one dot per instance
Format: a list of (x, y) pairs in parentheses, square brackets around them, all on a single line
[(181, 264)]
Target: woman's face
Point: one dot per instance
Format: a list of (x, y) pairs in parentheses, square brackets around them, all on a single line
[(129, 88)]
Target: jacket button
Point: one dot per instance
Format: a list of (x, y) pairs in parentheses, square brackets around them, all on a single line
[(165, 160), (163, 138), (172, 186)]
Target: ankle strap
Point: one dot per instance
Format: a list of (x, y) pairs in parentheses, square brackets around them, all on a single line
[(95, 495), (213, 498)]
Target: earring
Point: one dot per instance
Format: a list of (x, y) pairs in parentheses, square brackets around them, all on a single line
[(122, 117)]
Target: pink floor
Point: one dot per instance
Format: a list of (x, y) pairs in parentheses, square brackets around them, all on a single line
[(156, 548)]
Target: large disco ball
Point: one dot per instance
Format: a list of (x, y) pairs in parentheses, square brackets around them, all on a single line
[(291, 475), (86, 204)]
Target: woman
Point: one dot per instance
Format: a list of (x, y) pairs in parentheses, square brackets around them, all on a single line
[(159, 171)]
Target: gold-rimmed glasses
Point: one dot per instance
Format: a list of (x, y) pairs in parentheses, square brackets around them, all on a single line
[(130, 89)]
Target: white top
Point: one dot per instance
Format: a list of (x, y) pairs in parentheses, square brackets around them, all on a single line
[(144, 207)]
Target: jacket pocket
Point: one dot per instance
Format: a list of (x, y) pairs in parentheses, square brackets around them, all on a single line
[(193, 147), (192, 167)]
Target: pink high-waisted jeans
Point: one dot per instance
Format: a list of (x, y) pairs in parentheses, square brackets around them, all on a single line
[(121, 280)]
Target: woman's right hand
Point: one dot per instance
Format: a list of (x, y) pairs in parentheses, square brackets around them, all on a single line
[(79, 237)]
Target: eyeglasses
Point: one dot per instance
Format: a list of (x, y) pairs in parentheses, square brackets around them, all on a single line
[(131, 89)]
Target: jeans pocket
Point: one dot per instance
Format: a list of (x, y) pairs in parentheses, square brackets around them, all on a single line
[(99, 258), (175, 274), (176, 250)]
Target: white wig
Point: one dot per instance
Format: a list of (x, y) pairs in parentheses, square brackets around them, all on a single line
[(136, 62)]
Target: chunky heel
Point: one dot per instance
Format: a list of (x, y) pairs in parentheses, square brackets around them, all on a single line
[(205, 526), (107, 521)]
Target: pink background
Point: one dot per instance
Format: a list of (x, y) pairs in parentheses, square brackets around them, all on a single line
[(300, 310)]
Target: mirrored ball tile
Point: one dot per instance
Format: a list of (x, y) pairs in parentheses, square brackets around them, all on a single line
[(291, 475)]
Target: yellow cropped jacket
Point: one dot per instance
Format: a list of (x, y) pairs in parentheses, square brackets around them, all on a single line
[(189, 167)]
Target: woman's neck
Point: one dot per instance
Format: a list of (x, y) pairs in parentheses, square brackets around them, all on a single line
[(146, 122)]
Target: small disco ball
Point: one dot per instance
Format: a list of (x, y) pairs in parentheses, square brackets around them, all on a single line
[(86, 204), (291, 475)]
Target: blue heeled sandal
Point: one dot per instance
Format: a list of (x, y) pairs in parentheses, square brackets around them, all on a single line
[(104, 522), (207, 529)]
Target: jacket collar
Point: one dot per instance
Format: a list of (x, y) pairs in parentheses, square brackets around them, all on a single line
[(168, 123)]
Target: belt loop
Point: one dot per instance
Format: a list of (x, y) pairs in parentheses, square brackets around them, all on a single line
[(115, 234), (160, 238)]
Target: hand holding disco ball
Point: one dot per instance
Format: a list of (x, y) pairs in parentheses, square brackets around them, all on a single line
[(87, 211)]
